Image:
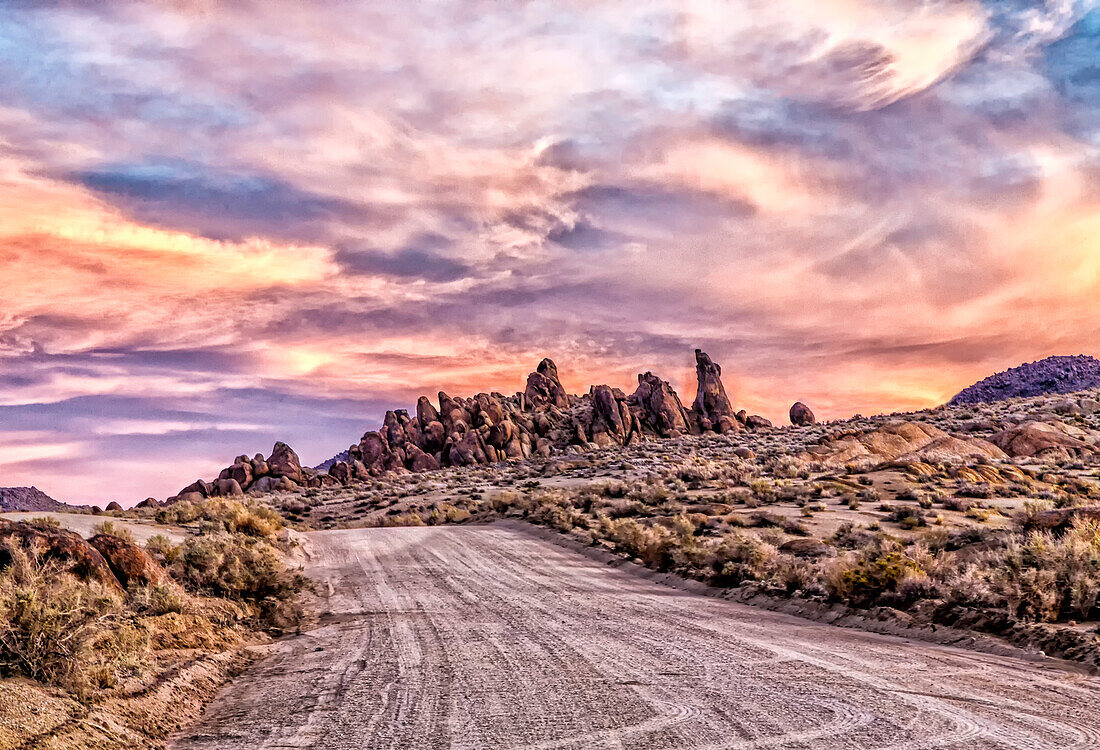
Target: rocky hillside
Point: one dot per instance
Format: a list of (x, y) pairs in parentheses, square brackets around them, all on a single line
[(16, 499), (541, 421), (1050, 375)]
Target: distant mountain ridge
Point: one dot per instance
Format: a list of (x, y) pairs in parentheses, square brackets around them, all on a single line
[(18, 499), (1059, 374)]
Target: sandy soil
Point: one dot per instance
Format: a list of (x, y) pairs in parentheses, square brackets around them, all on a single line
[(489, 637), (84, 524)]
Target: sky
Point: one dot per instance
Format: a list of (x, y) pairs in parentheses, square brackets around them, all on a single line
[(224, 224)]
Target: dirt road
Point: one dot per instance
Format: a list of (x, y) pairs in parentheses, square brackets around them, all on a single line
[(489, 637)]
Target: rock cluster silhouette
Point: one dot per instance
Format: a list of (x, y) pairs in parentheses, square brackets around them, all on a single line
[(542, 420)]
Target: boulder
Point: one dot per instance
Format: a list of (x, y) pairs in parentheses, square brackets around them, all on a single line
[(113, 506), (272, 484), (425, 413), (241, 472), (468, 450), (66, 547), (757, 422), (149, 502), (1060, 519), (453, 415), (711, 402), (1034, 438), (129, 563), (394, 430), (418, 460), (283, 462), (610, 417), (801, 415), (657, 407), (373, 449), (805, 547), (904, 441), (544, 389), (340, 471), (227, 488), (199, 487)]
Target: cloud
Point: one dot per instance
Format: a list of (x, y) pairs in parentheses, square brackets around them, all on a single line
[(420, 259), (215, 204)]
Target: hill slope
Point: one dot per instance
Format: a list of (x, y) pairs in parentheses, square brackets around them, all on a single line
[(1050, 375), (27, 499)]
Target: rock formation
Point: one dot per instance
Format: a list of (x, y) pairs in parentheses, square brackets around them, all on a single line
[(904, 442), (282, 470), (1034, 438), (658, 408), (491, 427), (712, 405), (543, 387), (801, 415)]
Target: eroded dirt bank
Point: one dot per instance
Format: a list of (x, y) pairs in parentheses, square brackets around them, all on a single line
[(489, 637)]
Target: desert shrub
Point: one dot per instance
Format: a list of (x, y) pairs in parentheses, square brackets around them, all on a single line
[(763, 490), (554, 509), (110, 528), (850, 536), (905, 515), (1028, 515), (55, 627), (862, 579), (959, 504), (502, 501), (156, 600), (233, 567), (651, 544), (910, 494), (161, 549), (1045, 577), (790, 467), (218, 514), (403, 519), (794, 528), (44, 522), (613, 489), (294, 506), (739, 557), (974, 489)]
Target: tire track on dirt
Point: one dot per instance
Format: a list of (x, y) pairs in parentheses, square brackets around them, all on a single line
[(489, 637)]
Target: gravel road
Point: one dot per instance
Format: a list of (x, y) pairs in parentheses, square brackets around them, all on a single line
[(491, 637)]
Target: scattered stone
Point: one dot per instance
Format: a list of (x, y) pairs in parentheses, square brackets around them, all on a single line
[(1050, 375)]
